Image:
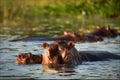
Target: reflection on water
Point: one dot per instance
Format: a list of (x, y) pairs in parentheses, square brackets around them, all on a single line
[(87, 70)]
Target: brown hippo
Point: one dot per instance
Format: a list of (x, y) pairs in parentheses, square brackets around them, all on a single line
[(67, 36), (74, 57), (69, 53), (83, 37), (28, 58), (94, 36), (51, 56), (63, 52), (105, 31), (55, 53)]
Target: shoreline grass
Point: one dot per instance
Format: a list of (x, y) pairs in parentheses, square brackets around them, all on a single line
[(43, 16)]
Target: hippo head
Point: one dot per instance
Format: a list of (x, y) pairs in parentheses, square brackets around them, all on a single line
[(111, 32), (51, 49), (62, 52), (28, 58), (99, 31), (69, 53), (52, 53), (55, 49), (75, 36), (105, 31)]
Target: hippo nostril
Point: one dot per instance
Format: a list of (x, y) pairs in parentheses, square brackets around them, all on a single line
[(20, 55)]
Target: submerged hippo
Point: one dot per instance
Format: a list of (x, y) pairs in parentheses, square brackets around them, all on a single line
[(83, 37), (105, 31), (96, 35), (28, 58), (63, 52), (68, 37)]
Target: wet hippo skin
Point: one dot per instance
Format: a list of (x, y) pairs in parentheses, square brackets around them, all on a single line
[(85, 55), (63, 52), (50, 56), (105, 32), (69, 37), (97, 55), (95, 35), (75, 57), (33, 38), (28, 58)]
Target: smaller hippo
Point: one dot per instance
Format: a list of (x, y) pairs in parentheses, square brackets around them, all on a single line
[(28, 58)]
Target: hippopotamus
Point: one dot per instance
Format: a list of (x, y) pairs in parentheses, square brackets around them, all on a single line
[(76, 57), (83, 37), (64, 52), (105, 31), (50, 56), (68, 37), (96, 35), (28, 58), (33, 38)]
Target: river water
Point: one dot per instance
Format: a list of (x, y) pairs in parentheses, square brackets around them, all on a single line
[(9, 69)]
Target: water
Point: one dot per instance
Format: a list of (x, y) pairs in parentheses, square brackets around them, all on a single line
[(9, 69)]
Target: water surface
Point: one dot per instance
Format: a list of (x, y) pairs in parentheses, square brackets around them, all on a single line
[(87, 70)]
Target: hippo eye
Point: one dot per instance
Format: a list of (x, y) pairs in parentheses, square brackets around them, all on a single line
[(20, 55), (29, 55)]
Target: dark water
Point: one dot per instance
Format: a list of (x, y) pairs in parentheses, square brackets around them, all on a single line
[(9, 69)]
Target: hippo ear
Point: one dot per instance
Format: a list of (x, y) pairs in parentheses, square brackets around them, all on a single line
[(107, 27), (45, 45), (98, 27), (71, 44), (65, 33), (19, 55)]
